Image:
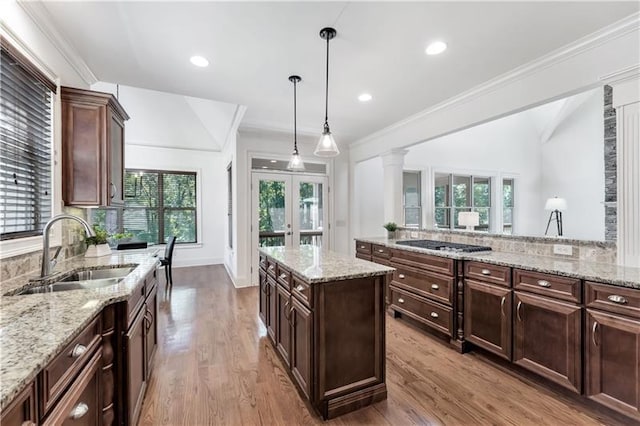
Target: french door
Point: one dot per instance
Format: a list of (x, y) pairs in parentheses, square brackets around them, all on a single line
[(288, 210)]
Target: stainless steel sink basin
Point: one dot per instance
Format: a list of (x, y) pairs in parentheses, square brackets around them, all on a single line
[(98, 274), (90, 279)]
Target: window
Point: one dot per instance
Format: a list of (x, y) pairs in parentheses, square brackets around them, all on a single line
[(159, 204), (230, 206), (411, 199), (25, 153), (507, 206), (458, 193)]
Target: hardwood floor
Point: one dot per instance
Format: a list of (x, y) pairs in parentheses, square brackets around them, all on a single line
[(215, 366)]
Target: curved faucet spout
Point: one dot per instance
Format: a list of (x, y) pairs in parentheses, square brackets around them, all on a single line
[(46, 262)]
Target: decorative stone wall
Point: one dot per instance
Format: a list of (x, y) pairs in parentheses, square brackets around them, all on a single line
[(610, 167)]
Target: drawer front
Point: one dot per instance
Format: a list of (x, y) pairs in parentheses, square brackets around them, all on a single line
[(562, 288), (625, 301), (363, 256), (441, 265), (135, 302), (430, 285), (423, 310), (364, 248), (271, 267), (80, 405), (495, 274), (302, 291), (380, 251), (263, 262), (283, 276), (57, 375)]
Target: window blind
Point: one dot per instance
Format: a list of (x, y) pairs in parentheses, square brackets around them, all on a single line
[(25, 151)]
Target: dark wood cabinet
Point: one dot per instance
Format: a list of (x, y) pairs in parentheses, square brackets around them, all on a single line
[(548, 339), (272, 310), (301, 332), (136, 381), (283, 326), (612, 350), (92, 148), (263, 306), (151, 330), (22, 410), (487, 317)]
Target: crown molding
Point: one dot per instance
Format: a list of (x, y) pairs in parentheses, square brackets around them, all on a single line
[(259, 126), (611, 32), (628, 73), (42, 19), (6, 32)]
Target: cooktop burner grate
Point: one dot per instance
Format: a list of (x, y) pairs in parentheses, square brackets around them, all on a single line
[(444, 246)]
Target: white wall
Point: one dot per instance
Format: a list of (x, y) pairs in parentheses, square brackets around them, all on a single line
[(368, 199), (212, 194), (573, 168)]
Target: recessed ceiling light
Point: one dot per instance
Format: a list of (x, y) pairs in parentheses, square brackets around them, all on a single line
[(274, 161), (199, 61), (365, 97), (436, 48)]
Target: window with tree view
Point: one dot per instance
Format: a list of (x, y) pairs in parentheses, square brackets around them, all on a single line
[(458, 193), (159, 204)]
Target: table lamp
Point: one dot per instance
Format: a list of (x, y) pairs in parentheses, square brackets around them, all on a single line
[(469, 219), (556, 205)]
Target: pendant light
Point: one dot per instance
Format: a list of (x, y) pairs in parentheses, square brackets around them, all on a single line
[(295, 163), (327, 145)]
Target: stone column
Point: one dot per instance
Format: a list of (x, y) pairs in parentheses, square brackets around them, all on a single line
[(626, 101), (392, 164)]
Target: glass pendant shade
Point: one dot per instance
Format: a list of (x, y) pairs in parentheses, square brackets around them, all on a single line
[(295, 163), (326, 145)]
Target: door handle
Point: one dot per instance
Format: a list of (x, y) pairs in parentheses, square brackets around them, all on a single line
[(518, 311), (502, 305), (593, 333)]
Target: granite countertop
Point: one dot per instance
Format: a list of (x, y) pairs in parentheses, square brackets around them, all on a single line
[(34, 328), (315, 265), (591, 271)]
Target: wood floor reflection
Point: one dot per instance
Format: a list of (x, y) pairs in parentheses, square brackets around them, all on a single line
[(215, 366)]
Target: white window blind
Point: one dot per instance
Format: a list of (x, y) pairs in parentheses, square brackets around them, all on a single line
[(25, 151)]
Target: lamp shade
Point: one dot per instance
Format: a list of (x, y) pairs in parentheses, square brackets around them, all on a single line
[(469, 218), (326, 146), (556, 203), (295, 163)]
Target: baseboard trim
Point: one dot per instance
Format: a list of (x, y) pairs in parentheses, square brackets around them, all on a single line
[(185, 263)]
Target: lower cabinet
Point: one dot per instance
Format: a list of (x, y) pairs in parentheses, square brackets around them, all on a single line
[(151, 330), (612, 350), (547, 339), (134, 343), (301, 332), (487, 317), (22, 411), (272, 310), (283, 329), (262, 298)]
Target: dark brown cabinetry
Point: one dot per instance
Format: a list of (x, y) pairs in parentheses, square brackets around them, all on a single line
[(134, 342), (22, 411), (283, 326), (301, 332), (92, 148), (263, 306), (612, 348)]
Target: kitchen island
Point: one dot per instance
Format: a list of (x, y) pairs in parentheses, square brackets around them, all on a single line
[(324, 313)]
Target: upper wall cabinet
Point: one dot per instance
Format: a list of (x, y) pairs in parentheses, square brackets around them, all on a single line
[(92, 148)]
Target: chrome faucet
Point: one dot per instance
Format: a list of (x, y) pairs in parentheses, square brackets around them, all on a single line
[(48, 264)]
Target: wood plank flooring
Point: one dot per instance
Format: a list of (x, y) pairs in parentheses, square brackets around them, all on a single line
[(215, 366)]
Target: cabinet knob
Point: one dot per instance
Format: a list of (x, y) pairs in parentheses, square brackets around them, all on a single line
[(401, 276), (486, 272), (434, 315), (283, 276), (435, 287), (401, 300), (78, 351), (271, 267), (617, 299), (380, 251), (544, 283), (300, 288), (79, 411), (362, 247)]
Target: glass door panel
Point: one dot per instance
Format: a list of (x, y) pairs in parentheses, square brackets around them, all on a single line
[(311, 212), (273, 220)]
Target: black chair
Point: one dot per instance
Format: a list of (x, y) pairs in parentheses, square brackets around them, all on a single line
[(132, 245), (166, 261)]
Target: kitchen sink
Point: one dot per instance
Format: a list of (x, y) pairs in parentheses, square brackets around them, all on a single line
[(89, 279)]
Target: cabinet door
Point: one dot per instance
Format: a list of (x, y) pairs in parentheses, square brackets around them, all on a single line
[(547, 339), (272, 310), (262, 299), (487, 317), (283, 325), (135, 367), (302, 330), (22, 411), (151, 330), (613, 361), (116, 162)]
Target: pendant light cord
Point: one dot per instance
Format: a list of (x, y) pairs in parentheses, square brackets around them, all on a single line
[(326, 103), (295, 123)]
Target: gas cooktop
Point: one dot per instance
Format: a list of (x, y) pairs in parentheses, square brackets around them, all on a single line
[(443, 246)]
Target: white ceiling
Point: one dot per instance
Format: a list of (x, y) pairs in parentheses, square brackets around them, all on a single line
[(254, 46)]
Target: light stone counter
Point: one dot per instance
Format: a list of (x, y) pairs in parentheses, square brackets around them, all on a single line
[(315, 265), (591, 271), (35, 328)]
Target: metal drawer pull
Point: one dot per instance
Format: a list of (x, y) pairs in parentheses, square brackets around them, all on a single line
[(362, 247), (502, 305), (486, 272), (283, 276), (435, 286), (518, 311), (401, 300), (617, 299), (434, 315), (593, 333), (271, 267), (300, 288), (380, 251), (78, 351), (544, 283), (78, 411), (401, 276)]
